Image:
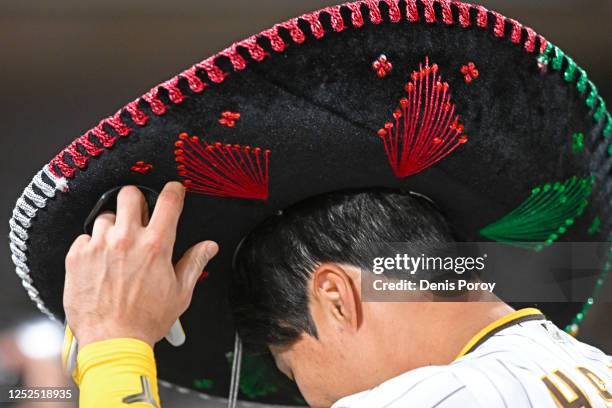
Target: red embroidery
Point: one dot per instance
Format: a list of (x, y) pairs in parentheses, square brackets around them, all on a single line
[(464, 14), (517, 31), (469, 72), (500, 25), (382, 66), (425, 127), (430, 14), (203, 276), (195, 75), (223, 170), (142, 167), (229, 118), (447, 14), (482, 20), (375, 15), (531, 40)]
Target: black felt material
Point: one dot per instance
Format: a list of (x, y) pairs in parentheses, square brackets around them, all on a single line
[(317, 107)]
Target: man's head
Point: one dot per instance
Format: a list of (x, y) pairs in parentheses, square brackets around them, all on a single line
[(296, 285)]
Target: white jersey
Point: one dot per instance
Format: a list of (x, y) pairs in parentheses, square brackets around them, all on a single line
[(522, 360)]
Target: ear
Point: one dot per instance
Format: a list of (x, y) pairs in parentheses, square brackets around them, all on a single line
[(336, 294)]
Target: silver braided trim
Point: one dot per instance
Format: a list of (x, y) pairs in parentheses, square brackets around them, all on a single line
[(34, 197), (18, 242)]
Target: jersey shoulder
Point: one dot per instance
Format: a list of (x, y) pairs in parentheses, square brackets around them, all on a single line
[(426, 387)]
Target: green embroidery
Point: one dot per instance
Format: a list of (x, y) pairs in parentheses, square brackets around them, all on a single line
[(573, 327), (554, 57), (590, 100), (595, 226), (601, 109), (608, 128), (557, 60), (257, 378), (583, 79), (577, 142), (599, 113), (544, 216), (570, 71), (203, 384)]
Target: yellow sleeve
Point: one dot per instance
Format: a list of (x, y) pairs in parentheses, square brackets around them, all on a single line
[(117, 373)]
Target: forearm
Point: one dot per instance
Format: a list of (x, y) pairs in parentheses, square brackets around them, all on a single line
[(117, 373)]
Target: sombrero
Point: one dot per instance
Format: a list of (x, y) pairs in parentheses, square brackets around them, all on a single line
[(494, 123)]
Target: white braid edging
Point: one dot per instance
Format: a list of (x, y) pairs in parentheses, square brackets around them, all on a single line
[(33, 198)]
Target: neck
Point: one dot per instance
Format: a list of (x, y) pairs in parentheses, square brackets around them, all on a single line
[(436, 332)]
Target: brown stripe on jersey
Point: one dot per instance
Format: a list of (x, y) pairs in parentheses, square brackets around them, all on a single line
[(504, 326)]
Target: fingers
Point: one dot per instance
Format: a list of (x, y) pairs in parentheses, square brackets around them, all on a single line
[(191, 265), (102, 224), (168, 211), (80, 242), (76, 247), (131, 207)]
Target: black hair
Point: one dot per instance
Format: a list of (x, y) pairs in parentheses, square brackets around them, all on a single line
[(275, 262)]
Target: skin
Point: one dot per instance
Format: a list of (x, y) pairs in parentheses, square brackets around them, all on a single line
[(374, 341), (117, 279)]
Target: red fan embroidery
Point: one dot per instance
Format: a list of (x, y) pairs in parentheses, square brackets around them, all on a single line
[(223, 170), (425, 128)]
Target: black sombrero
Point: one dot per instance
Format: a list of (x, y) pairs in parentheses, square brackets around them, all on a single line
[(490, 120)]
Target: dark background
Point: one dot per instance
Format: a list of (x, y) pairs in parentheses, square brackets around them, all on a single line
[(67, 63)]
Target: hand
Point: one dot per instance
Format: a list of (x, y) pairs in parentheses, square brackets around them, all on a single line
[(120, 281)]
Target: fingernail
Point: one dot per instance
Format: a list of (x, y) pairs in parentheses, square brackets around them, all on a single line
[(211, 249)]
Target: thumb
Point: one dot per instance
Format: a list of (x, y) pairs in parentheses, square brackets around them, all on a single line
[(193, 262)]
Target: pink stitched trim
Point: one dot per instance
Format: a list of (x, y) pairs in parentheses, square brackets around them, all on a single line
[(254, 49), (482, 20), (315, 25), (214, 73), (375, 16), (138, 116), (297, 35), (517, 31), (103, 137), (235, 58), (89, 146), (195, 83), (412, 11), (356, 16), (174, 93), (59, 167), (464, 14), (447, 14), (394, 12), (78, 158), (336, 18), (430, 14), (531, 40), (276, 41), (64, 169), (500, 24), (157, 106)]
